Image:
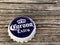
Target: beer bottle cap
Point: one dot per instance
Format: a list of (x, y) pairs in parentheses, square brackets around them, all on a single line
[(22, 29)]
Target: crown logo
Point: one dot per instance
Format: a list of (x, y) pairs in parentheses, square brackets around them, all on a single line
[(21, 21)]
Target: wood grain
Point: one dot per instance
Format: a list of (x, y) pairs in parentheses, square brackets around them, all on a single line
[(29, 1), (45, 13)]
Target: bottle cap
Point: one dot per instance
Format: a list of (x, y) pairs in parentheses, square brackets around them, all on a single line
[(22, 29)]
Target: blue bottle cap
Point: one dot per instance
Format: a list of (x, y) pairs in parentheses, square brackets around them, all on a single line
[(22, 29)]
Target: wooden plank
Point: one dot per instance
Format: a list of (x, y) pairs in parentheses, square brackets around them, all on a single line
[(29, 1), (36, 21), (18, 7), (40, 17), (39, 43), (38, 38), (48, 32), (48, 25), (41, 31), (38, 25), (29, 12), (27, 6)]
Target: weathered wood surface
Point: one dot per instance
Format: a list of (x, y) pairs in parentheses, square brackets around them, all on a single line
[(45, 13), (29, 1)]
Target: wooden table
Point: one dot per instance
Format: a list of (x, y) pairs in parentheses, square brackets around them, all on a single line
[(45, 13)]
